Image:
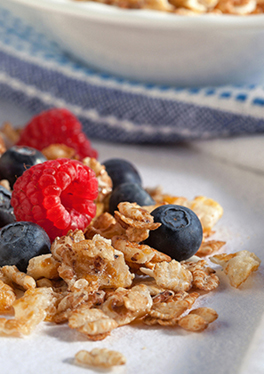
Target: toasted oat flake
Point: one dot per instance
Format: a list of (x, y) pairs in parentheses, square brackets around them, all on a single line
[(136, 220), (209, 247), (92, 322), (104, 181), (174, 307), (74, 299), (152, 286), (198, 319), (160, 198), (14, 275), (208, 210), (208, 314), (100, 357), (170, 275), (204, 277), (7, 297), (31, 309), (44, 266), (163, 297), (193, 322), (5, 183), (151, 321), (54, 151), (133, 252), (104, 225), (132, 214), (2, 145), (237, 266), (125, 305), (9, 133)]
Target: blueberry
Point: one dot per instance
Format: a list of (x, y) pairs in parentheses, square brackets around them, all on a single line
[(6, 210), (20, 241), (130, 192), (16, 160), (180, 234), (121, 171)]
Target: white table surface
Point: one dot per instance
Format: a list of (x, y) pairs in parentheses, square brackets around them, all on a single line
[(232, 173)]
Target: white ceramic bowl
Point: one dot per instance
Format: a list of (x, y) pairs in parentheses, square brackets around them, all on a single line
[(152, 46)]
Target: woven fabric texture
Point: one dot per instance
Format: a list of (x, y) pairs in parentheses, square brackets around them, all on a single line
[(36, 75)]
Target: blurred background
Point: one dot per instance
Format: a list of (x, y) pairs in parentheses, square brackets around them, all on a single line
[(141, 78)]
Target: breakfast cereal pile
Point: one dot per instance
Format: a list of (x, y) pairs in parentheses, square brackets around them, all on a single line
[(193, 7), (105, 276)]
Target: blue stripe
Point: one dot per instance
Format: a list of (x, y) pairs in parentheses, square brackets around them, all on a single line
[(258, 101), (183, 120), (212, 122)]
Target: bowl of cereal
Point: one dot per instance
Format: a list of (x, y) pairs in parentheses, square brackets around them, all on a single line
[(175, 42)]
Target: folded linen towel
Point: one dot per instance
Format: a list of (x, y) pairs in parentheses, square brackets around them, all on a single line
[(36, 75)]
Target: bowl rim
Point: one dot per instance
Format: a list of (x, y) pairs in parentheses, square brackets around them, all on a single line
[(141, 17)]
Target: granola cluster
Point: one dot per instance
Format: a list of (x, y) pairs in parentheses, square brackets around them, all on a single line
[(192, 7), (102, 278), (99, 280), (102, 358)]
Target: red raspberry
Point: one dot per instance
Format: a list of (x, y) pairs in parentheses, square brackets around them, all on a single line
[(57, 195), (56, 126)]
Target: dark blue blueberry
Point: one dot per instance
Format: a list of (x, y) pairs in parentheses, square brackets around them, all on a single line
[(20, 241), (121, 171), (16, 160), (131, 192), (6, 210), (180, 234)]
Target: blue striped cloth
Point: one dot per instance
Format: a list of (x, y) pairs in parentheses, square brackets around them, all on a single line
[(36, 75)]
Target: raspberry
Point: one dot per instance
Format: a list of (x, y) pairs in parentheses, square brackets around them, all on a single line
[(56, 126), (57, 195)]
